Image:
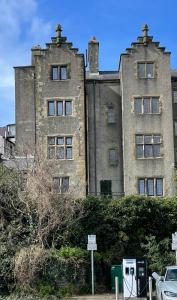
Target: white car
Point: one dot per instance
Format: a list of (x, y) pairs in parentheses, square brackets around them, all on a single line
[(166, 286)]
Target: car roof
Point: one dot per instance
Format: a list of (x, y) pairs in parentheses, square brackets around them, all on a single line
[(171, 267)]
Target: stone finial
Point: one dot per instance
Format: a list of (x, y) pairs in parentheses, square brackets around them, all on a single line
[(93, 40), (145, 30), (58, 30)]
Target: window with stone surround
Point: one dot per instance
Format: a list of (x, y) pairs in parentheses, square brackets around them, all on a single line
[(148, 146), (111, 115), (175, 96), (60, 184), (60, 107), (60, 147), (150, 186), (147, 105), (145, 70), (113, 157), (59, 72)]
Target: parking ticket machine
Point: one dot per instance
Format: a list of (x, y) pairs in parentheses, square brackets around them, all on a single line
[(134, 277)]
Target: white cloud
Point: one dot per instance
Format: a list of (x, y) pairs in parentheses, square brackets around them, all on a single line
[(20, 29)]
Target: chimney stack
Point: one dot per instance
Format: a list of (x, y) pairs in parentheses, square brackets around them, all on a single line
[(93, 56)]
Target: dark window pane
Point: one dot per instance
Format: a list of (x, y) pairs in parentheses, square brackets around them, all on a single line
[(51, 152), (138, 106), (51, 140), (51, 108), (146, 104), (175, 128), (60, 140), (111, 115), (69, 141), (139, 151), (159, 187), (175, 96), (63, 73), (139, 139), (60, 153), (106, 187), (156, 150), (68, 108), (59, 108), (141, 70), (148, 139), (112, 154), (69, 152), (56, 184), (156, 139), (149, 70), (150, 187), (148, 152), (155, 105), (55, 73), (65, 184), (141, 186)]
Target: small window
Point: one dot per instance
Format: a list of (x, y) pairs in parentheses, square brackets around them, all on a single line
[(51, 108), (106, 187), (60, 147), (175, 128), (145, 70), (113, 156), (150, 186), (59, 107), (148, 146), (60, 184), (147, 105), (175, 96), (59, 73), (111, 115)]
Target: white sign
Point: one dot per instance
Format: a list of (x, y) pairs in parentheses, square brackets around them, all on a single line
[(92, 239), (174, 237), (92, 247), (174, 246)]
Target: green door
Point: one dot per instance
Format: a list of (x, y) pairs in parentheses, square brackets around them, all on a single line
[(116, 270)]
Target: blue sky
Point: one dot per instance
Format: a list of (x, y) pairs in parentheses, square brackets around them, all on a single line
[(115, 23)]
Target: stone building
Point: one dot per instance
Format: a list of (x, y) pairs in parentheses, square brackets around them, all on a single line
[(103, 132), (7, 142)]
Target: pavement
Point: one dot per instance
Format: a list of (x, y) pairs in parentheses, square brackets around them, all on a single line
[(102, 297)]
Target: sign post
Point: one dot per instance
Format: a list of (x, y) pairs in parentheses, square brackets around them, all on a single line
[(174, 243), (92, 246)]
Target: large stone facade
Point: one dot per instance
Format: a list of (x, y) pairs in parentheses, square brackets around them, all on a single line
[(104, 132)]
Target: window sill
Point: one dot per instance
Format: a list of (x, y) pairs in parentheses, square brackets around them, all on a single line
[(147, 114), (60, 159), (63, 80), (64, 116), (147, 158)]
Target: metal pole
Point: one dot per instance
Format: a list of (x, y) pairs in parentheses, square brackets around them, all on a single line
[(117, 287), (150, 288), (176, 257), (92, 267)]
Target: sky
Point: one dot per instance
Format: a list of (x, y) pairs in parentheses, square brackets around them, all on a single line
[(115, 23)]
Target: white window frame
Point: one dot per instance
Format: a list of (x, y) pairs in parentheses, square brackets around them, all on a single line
[(144, 144), (55, 102), (56, 147), (60, 189), (59, 72), (154, 180), (142, 99), (146, 76)]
